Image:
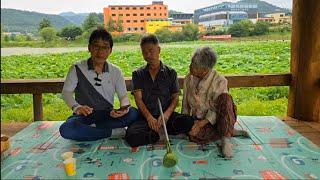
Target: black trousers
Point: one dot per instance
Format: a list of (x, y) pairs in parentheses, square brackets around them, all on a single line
[(139, 133)]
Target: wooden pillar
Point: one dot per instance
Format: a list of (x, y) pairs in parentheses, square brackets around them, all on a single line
[(304, 95), (37, 107)]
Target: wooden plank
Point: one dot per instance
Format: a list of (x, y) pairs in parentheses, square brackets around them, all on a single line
[(313, 137), (37, 107), (31, 86), (315, 125), (288, 118), (304, 96), (305, 129), (36, 86), (296, 124), (262, 80)]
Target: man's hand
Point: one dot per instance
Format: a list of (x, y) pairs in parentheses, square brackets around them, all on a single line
[(153, 124), (84, 110), (119, 113), (197, 127), (166, 117)]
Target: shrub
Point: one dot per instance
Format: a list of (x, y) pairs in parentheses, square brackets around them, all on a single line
[(48, 34)]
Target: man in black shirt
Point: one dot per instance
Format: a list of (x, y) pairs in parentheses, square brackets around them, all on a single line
[(150, 82)]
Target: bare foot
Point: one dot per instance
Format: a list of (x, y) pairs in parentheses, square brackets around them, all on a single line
[(243, 133), (226, 147)]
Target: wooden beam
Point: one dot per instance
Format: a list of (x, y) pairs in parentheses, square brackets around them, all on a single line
[(304, 96), (37, 107), (262, 80), (31, 86), (55, 85)]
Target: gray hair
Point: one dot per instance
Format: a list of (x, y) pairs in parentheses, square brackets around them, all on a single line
[(204, 58)]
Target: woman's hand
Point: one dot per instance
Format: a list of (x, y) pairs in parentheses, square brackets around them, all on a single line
[(119, 113), (84, 110), (197, 127)]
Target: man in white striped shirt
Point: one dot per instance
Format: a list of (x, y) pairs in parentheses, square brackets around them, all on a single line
[(94, 83)]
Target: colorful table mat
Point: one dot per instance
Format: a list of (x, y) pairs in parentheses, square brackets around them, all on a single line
[(274, 151)]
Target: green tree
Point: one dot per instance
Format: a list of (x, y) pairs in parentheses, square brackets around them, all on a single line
[(92, 21), (101, 17), (219, 32), (190, 32), (12, 37), (48, 34), (28, 38), (260, 28), (164, 35), (70, 32), (111, 25), (119, 26), (241, 29), (44, 23), (6, 38), (20, 38), (285, 27), (177, 36)]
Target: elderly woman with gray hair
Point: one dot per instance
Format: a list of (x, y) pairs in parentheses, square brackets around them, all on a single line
[(206, 98)]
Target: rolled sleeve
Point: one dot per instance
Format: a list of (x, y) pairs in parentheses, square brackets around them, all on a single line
[(136, 81), (174, 87)]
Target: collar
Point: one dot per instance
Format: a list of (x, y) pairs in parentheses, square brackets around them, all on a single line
[(90, 65), (146, 68), (210, 72)]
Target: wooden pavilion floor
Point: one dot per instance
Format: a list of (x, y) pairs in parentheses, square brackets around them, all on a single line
[(310, 130)]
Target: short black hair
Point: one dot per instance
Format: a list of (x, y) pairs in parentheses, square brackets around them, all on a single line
[(103, 34), (151, 38)]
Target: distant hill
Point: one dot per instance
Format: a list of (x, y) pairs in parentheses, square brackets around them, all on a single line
[(69, 13), (173, 12), (13, 20), (76, 18), (265, 7)]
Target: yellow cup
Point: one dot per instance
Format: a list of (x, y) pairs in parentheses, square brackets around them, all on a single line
[(70, 166), (67, 155)]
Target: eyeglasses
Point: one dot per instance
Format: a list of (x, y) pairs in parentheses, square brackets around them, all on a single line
[(102, 48), (98, 80)]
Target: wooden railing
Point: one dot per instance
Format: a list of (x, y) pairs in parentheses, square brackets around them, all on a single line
[(37, 87)]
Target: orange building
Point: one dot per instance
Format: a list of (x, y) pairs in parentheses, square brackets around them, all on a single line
[(134, 17)]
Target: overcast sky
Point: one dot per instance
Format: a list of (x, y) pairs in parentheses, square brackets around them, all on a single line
[(82, 6)]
